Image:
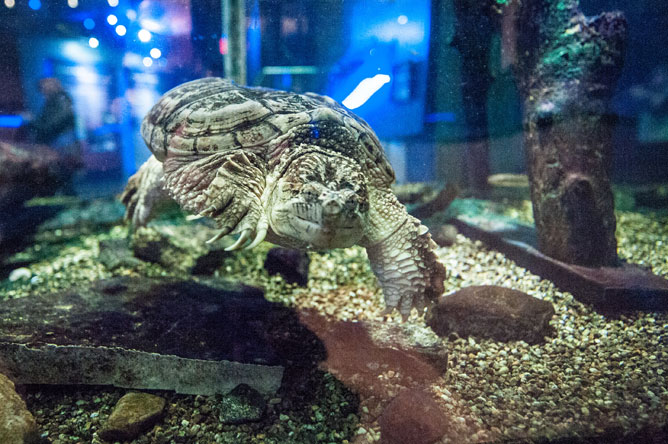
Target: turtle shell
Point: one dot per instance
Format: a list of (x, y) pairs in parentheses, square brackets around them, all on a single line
[(214, 115)]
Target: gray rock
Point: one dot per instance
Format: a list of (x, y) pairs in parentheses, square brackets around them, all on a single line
[(445, 235), (116, 253), (92, 215), (133, 414), (292, 265), (180, 247), (241, 405), (494, 312), (17, 425), (188, 336), (39, 166)]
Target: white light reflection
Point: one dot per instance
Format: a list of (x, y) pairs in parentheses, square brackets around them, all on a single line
[(93, 42), (112, 19), (121, 30), (144, 35), (365, 90), (155, 53)]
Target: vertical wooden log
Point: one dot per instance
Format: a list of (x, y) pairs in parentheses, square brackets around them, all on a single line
[(568, 65), (472, 39), (234, 29)]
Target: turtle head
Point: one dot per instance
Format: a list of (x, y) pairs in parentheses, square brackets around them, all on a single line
[(319, 202)]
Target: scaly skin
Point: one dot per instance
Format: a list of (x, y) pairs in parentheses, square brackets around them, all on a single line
[(144, 194), (402, 256)]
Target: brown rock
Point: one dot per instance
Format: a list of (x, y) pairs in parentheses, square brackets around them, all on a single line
[(494, 312), (17, 425), (134, 413), (358, 352), (413, 417)]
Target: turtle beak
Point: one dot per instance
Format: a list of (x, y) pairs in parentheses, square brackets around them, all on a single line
[(332, 204)]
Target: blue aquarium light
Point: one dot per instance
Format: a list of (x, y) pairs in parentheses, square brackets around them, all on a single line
[(10, 121)]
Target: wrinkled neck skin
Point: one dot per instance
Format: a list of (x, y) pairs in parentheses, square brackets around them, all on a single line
[(318, 202)]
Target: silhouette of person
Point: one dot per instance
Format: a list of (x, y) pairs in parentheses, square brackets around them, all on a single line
[(55, 125)]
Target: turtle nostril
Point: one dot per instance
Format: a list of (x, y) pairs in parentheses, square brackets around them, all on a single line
[(331, 207)]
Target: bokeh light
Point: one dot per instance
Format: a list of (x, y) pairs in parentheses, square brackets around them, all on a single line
[(402, 19), (35, 4), (121, 30), (72, 3), (113, 3), (89, 23), (155, 53), (112, 19), (144, 35), (10, 3), (93, 42), (147, 61)]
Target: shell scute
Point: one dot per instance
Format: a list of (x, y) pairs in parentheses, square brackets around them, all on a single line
[(257, 134), (214, 115)]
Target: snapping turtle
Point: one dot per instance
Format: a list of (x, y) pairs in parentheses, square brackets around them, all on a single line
[(298, 170)]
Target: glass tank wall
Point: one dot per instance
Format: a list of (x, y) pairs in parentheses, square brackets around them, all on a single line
[(466, 243)]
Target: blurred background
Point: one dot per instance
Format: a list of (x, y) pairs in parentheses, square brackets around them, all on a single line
[(391, 61)]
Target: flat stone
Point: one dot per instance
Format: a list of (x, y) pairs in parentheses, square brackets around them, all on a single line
[(17, 425), (291, 264), (192, 337), (412, 417), (490, 311), (133, 414), (357, 352), (241, 405)]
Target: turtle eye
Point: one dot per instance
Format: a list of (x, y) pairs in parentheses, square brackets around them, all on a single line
[(309, 192)]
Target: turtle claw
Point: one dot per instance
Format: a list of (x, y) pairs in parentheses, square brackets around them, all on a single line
[(243, 238), (259, 237), (220, 235)]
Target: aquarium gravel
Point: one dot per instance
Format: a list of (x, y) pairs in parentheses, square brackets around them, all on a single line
[(597, 376)]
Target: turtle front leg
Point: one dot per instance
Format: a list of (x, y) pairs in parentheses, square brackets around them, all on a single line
[(226, 187), (402, 256), (144, 194)]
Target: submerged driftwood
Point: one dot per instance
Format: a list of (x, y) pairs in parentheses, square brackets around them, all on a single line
[(567, 66)]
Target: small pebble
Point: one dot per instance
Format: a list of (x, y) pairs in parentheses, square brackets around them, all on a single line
[(20, 274)]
